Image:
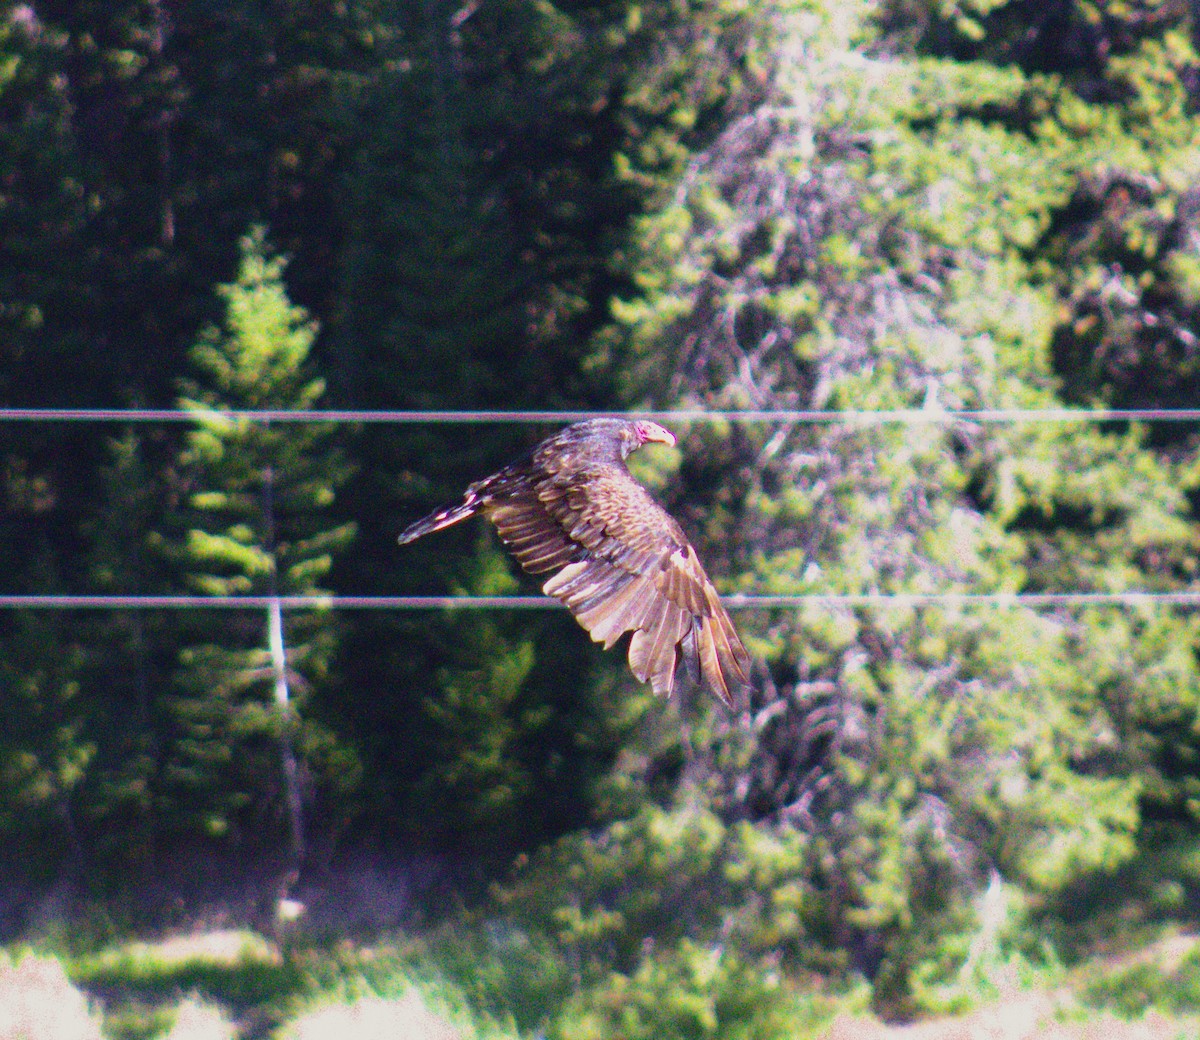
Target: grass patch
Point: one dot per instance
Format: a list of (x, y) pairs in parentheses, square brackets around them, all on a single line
[(133, 1019), (1164, 977), (226, 984), (240, 972)]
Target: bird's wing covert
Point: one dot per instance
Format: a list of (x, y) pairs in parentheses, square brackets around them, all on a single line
[(633, 570)]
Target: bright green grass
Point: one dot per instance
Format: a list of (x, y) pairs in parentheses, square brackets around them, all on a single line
[(260, 989), (488, 986)]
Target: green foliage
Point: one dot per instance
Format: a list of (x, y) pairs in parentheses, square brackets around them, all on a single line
[(798, 204), (123, 669), (655, 875), (1136, 988), (483, 225), (239, 968), (258, 500), (478, 782), (690, 992), (234, 976), (228, 974), (917, 747), (44, 752)]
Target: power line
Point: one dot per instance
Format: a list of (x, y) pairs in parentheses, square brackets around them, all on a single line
[(733, 602), (815, 416), (70, 601), (909, 416)]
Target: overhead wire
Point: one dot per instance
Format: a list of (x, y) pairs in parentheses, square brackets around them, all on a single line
[(71, 601), (736, 601), (766, 415)]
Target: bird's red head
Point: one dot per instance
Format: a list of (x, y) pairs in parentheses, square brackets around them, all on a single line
[(650, 431)]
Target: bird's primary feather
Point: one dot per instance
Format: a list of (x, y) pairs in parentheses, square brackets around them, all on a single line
[(621, 563)]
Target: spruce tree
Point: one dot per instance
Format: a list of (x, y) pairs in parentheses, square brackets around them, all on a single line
[(45, 750), (257, 496), (129, 659), (863, 241)]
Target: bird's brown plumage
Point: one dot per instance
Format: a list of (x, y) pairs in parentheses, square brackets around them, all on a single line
[(621, 563)]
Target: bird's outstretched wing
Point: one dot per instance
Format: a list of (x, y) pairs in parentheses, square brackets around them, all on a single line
[(623, 565), (616, 558)]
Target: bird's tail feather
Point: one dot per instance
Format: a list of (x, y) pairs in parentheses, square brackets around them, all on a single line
[(436, 521)]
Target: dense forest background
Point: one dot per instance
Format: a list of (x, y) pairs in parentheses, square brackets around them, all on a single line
[(607, 205)]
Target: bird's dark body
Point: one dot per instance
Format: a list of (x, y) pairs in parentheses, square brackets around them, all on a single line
[(621, 562)]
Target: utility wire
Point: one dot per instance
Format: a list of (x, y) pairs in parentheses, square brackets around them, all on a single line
[(736, 602), (909, 416), (732, 602)]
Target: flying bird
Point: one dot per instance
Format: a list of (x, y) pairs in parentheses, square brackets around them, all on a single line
[(620, 562)]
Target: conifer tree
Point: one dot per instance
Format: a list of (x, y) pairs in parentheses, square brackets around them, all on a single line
[(129, 658), (45, 750), (1107, 91), (449, 303), (257, 501), (862, 241)]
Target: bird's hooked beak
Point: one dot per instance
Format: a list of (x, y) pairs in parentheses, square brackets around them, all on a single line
[(648, 431)]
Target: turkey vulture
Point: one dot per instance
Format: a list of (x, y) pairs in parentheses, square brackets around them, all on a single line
[(621, 563)]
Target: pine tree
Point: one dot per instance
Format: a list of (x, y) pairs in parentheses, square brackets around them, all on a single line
[(257, 501), (45, 751), (1108, 93), (129, 660), (862, 241), (454, 296)]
